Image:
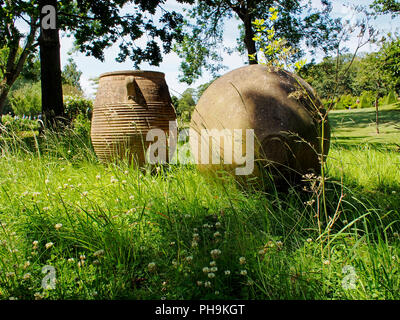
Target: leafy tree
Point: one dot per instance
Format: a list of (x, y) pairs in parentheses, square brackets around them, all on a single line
[(185, 105), (71, 75), (202, 44), (386, 6), (95, 25)]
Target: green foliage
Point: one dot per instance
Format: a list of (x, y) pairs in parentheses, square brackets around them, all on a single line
[(275, 52), (71, 75), (27, 100), (185, 105), (17, 124), (346, 101), (390, 98), (155, 234), (76, 105), (202, 45), (367, 99), (386, 6)]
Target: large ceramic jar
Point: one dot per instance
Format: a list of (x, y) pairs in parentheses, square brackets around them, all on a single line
[(129, 104)]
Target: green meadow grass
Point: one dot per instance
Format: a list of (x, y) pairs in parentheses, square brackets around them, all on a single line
[(117, 232)]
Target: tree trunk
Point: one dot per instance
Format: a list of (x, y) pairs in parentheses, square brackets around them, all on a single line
[(377, 113), (50, 61), (248, 37), (3, 97)]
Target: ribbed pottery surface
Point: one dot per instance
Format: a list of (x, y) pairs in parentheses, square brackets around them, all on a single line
[(129, 104)]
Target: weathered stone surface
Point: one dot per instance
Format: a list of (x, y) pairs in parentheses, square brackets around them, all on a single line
[(281, 108)]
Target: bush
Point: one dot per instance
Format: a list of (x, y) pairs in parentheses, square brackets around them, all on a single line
[(75, 105), (390, 98), (27, 100), (367, 99), (346, 101), (17, 124)]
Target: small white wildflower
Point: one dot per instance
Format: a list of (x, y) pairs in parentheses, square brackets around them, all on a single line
[(71, 260), (131, 197), (211, 275), (218, 224), (47, 181), (243, 272), (227, 272), (194, 244), (196, 237), (126, 172), (98, 177), (242, 260), (151, 267), (327, 262), (309, 240), (216, 293), (85, 193), (27, 276), (189, 259), (207, 284), (215, 253), (49, 245), (213, 263), (217, 234), (214, 269), (58, 226), (27, 264), (206, 270), (124, 182), (98, 253), (82, 257), (199, 283)]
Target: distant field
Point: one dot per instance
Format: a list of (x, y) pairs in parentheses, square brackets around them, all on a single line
[(352, 127)]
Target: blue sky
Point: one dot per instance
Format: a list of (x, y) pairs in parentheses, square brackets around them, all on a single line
[(92, 67)]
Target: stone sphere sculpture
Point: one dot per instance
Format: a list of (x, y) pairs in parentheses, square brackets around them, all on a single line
[(282, 111)]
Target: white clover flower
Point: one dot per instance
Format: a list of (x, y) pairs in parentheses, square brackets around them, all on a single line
[(85, 193), (27, 276), (151, 267), (194, 244), (71, 260), (327, 262), (196, 237), (213, 263), (216, 293), (189, 259), (47, 181), (206, 270), (27, 264), (211, 275), (215, 253), (217, 234), (98, 253), (126, 172), (199, 283), (214, 269), (218, 224), (242, 260), (98, 177), (82, 257), (58, 226), (131, 197), (207, 284), (124, 182), (49, 245), (309, 240), (227, 272), (243, 272)]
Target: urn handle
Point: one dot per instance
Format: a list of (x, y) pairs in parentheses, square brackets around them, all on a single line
[(133, 91)]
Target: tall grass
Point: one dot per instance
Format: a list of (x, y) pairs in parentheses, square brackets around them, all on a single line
[(119, 232)]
